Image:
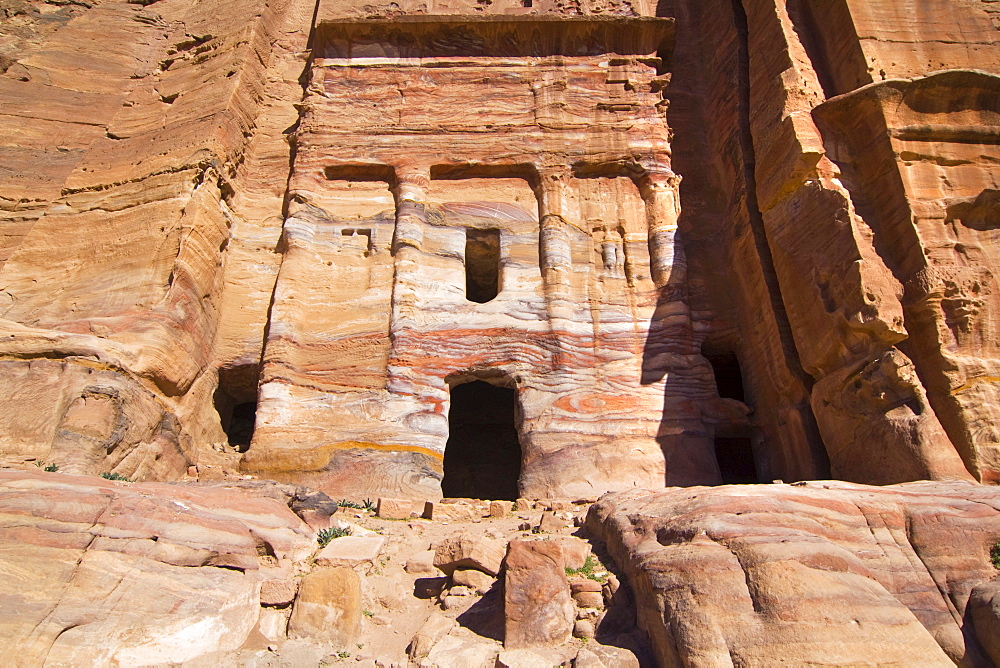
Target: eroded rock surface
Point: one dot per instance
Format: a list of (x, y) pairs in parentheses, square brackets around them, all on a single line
[(102, 572), (816, 574)]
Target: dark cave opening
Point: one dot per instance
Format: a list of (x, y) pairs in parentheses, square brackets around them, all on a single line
[(482, 459), (236, 403)]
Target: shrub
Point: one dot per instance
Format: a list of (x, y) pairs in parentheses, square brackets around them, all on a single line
[(116, 476), (995, 555), (51, 468), (326, 535)]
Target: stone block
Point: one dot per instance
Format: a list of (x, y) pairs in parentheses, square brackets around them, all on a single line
[(521, 658), (421, 562), (449, 512), (469, 550), (477, 580), (328, 607), (538, 610), (277, 592), (351, 551), (499, 509), (394, 509)]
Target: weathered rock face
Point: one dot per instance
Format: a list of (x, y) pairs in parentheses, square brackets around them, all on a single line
[(682, 242), (826, 573), (98, 572)]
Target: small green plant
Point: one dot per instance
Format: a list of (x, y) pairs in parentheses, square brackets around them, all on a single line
[(51, 468), (367, 504), (995, 555), (326, 535), (116, 476), (588, 570), (343, 655), (367, 613)]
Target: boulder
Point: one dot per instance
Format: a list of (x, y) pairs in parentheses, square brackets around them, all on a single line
[(328, 607), (538, 610), (575, 550), (431, 631), (587, 659), (984, 603), (578, 586), (469, 550), (551, 523), (452, 652), (817, 573), (583, 628)]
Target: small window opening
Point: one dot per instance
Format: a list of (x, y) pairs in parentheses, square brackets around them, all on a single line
[(482, 459), (526, 3), (236, 403), (482, 265), (728, 377)]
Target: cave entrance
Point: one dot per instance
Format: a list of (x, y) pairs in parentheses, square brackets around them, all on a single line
[(482, 459), (733, 446), (236, 403)]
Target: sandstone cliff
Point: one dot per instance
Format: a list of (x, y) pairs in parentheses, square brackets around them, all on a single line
[(700, 242)]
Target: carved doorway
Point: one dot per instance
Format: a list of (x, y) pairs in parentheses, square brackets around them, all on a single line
[(482, 459)]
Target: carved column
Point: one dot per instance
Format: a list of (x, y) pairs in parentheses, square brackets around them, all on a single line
[(407, 243), (553, 237), (660, 190)]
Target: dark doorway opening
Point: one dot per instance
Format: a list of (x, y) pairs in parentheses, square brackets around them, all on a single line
[(733, 446), (736, 461), (482, 265), (236, 403), (482, 459)]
